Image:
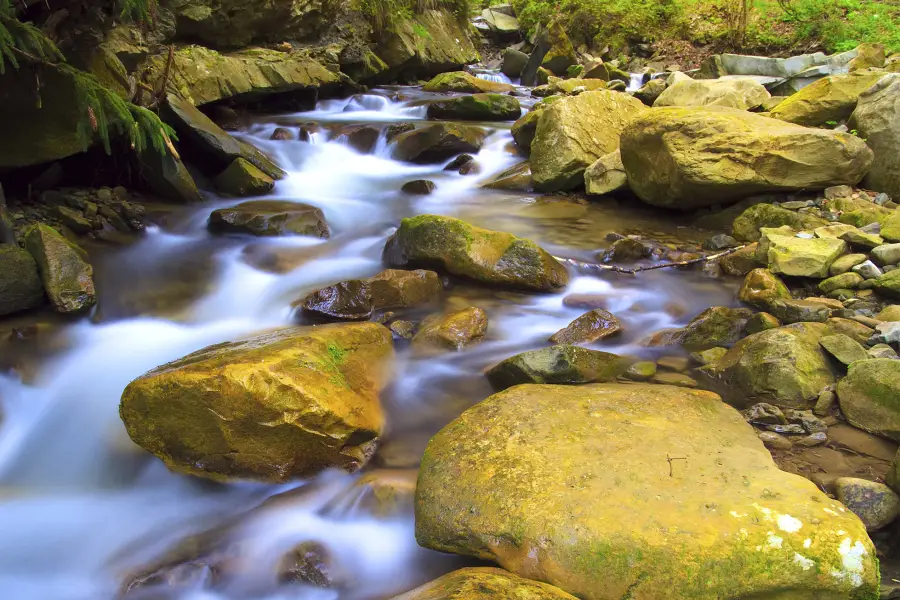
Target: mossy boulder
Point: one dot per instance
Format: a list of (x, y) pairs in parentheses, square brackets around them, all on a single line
[(574, 132), (516, 178), (267, 218), (874, 503), (567, 87), (749, 223), (274, 407), (560, 54), (345, 301), (556, 364), (241, 178), (491, 257), (787, 254), (785, 366), (451, 331), (870, 396), (687, 158), (465, 83), (483, 583), (168, 177), (436, 142), (831, 98), (357, 299), (67, 276), (579, 475), (477, 107), (844, 348), (590, 327), (606, 175), (889, 284), (877, 119), (763, 289), (20, 282), (715, 326), (742, 93)]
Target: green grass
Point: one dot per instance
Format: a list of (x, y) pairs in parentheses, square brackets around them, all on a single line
[(386, 15)]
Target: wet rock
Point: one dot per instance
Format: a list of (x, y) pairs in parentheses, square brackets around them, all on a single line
[(394, 288), (625, 496), (787, 254), (473, 583), (828, 99), (761, 322), (462, 82), (384, 493), (310, 563), (590, 327), (418, 187), (574, 132), (513, 62), (845, 263), (743, 93), (345, 301), (403, 330), (556, 364), (874, 503), (715, 326), (870, 396), (764, 414), (436, 142), (452, 331), (650, 91), (605, 176), (243, 179), (785, 366), (626, 250), (283, 134), (798, 311), (461, 249), (67, 276), (215, 413), (476, 107), (568, 87), (20, 282), (516, 178), (168, 177), (748, 224), (844, 348), (763, 289), (266, 218), (705, 156), (740, 262), (643, 370), (814, 439), (720, 242), (362, 138), (775, 441)]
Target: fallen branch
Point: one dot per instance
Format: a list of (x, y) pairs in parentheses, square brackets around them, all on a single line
[(617, 269)]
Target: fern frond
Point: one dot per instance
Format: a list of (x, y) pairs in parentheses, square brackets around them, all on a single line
[(18, 39)]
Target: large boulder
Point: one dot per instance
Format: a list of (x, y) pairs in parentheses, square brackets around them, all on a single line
[(20, 283), (787, 254), (714, 327), (687, 158), (476, 107), (743, 93), (870, 396), (268, 218), (491, 257), (572, 133), (560, 54), (273, 407), (877, 119), (168, 176), (483, 583), (556, 364), (466, 83), (67, 276), (436, 142), (634, 491), (829, 99), (513, 62), (785, 366)]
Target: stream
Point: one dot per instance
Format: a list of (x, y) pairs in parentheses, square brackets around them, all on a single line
[(82, 509)]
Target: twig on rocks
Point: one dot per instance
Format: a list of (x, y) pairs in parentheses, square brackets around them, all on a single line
[(617, 269), (673, 458)]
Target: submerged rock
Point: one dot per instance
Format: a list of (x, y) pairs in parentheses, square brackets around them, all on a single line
[(686, 158), (436, 142), (67, 276), (462, 82), (452, 331), (268, 218), (476, 583), (20, 282), (828, 99), (281, 405), (515, 178), (594, 473), (870, 396), (590, 327), (556, 364), (490, 257), (477, 107)]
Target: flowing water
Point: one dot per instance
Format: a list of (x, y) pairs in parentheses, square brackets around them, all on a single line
[(82, 509)]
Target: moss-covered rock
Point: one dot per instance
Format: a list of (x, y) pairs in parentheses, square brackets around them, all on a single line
[(831, 98), (241, 178), (281, 405), (787, 254), (20, 283), (451, 331), (465, 83), (560, 54), (573, 132), (590, 327), (516, 178), (567, 87), (524, 128), (490, 257), (749, 223), (844, 348), (785, 366), (606, 175), (477, 107), (763, 289), (269, 218), (436, 142), (877, 119), (584, 486), (67, 276), (844, 281), (556, 364), (874, 503), (889, 284), (483, 583), (687, 158), (715, 326), (870, 396), (742, 93), (168, 177)]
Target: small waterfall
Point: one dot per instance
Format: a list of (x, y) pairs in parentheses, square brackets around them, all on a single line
[(636, 82)]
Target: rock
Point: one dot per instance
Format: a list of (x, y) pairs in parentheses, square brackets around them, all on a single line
[(168, 177), (761, 322), (462, 82), (870, 396), (243, 179), (213, 413), (868, 56), (845, 281), (474, 583), (715, 326), (461, 249), (73, 219), (403, 330), (500, 23), (624, 498), (626, 250), (748, 224), (515, 178), (890, 313), (891, 228), (824, 403), (523, 130), (762, 289), (720, 241), (882, 351), (877, 119), (784, 366), (742, 93), (887, 254), (650, 91), (283, 134), (476, 107), (345, 301), (814, 439), (831, 231), (394, 289), (67, 276), (606, 175), (436, 142), (452, 331), (845, 263), (889, 284), (861, 239), (798, 311), (513, 62), (643, 370), (740, 262), (799, 257), (560, 54), (888, 333), (590, 327), (20, 283), (556, 364), (418, 187), (704, 357), (686, 158), (385, 493), (574, 132), (310, 563), (267, 218), (568, 87), (831, 98), (775, 441), (875, 504), (844, 348)]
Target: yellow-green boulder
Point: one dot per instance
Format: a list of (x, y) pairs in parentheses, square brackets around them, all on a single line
[(613, 491), (274, 407), (67, 276), (687, 158), (831, 98), (462, 82), (742, 93), (877, 118), (451, 331), (870, 396), (242, 178), (483, 583), (787, 254), (20, 283)]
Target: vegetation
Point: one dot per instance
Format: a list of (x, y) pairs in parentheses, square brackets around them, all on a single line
[(24, 46), (388, 14)]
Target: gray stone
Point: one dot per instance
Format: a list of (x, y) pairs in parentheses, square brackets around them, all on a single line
[(814, 439), (888, 332), (868, 270), (887, 254), (874, 503), (882, 351), (775, 441), (844, 348)]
